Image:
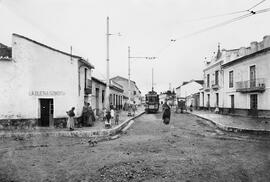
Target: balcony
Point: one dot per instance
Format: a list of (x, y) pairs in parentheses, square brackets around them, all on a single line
[(88, 88), (206, 88), (215, 86), (256, 85)]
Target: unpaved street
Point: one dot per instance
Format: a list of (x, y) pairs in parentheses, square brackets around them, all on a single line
[(189, 149)]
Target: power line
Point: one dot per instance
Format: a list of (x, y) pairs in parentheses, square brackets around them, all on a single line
[(256, 5), (251, 13), (230, 13)]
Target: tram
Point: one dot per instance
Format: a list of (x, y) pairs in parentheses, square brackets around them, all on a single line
[(151, 102)]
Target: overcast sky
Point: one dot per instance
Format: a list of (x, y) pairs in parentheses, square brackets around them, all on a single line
[(147, 26)]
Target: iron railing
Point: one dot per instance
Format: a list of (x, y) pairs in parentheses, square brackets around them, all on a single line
[(253, 85)]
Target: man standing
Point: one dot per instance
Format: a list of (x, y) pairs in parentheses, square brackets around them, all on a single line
[(85, 114), (166, 113)]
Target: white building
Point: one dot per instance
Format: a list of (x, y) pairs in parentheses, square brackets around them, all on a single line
[(40, 83), (244, 84), (98, 95), (188, 91), (135, 94)]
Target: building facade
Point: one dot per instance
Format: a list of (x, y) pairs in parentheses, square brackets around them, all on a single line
[(135, 95), (99, 93), (211, 95), (189, 91), (243, 81), (40, 83)]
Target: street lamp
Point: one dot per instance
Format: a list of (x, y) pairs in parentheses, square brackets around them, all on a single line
[(129, 57), (107, 97)]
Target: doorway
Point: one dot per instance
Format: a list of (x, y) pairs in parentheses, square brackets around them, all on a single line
[(97, 101), (46, 112), (254, 104)]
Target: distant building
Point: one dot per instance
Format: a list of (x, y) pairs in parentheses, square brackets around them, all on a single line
[(5, 52), (190, 92), (135, 94), (243, 81), (99, 93), (40, 83)]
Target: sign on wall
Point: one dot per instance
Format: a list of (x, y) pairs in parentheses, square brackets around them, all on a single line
[(46, 93)]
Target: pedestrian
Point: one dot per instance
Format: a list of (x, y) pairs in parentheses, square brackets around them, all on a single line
[(116, 120), (108, 120), (112, 113), (90, 114), (70, 121), (104, 114), (134, 108), (85, 114), (217, 110), (166, 113), (191, 107)]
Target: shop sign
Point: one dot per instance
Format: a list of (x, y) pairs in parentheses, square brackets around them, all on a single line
[(46, 93)]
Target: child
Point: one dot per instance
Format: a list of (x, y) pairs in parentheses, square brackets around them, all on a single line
[(112, 113), (104, 114)]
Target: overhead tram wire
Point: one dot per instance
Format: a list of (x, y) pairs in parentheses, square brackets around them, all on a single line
[(220, 24), (256, 5), (251, 13)]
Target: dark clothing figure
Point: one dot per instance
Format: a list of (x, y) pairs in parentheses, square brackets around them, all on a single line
[(108, 120), (85, 115), (191, 108), (116, 118), (166, 114)]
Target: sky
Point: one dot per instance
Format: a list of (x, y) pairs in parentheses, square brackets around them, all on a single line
[(147, 26)]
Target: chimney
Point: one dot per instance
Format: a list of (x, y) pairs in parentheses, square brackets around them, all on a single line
[(254, 46), (266, 41)]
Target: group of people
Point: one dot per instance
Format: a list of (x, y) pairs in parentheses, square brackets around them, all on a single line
[(87, 118), (110, 115)]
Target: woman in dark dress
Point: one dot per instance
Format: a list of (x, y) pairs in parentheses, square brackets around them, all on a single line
[(166, 113)]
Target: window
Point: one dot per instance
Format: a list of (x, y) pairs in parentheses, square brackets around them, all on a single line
[(85, 78), (208, 80), (134, 92), (217, 100), (230, 79), (216, 77), (252, 76), (232, 101), (103, 96)]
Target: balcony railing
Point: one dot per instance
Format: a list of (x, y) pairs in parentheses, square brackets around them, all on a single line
[(206, 87), (88, 88), (256, 85)]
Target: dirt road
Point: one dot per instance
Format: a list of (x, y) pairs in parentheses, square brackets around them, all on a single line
[(189, 149)]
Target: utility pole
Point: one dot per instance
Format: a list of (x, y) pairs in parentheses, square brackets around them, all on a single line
[(152, 79), (129, 89), (129, 58), (107, 98)]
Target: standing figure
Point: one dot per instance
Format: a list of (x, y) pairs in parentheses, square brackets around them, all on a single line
[(134, 108), (191, 107), (116, 120), (104, 114), (108, 120), (166, 113), (90, 116), (112, 113), (85, 114), (70, 121)]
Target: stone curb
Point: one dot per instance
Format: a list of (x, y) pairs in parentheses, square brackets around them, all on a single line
[(233, 129), (91, 133)]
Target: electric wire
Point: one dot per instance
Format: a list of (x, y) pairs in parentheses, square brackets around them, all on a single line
[(256, 5), (251, 13)]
